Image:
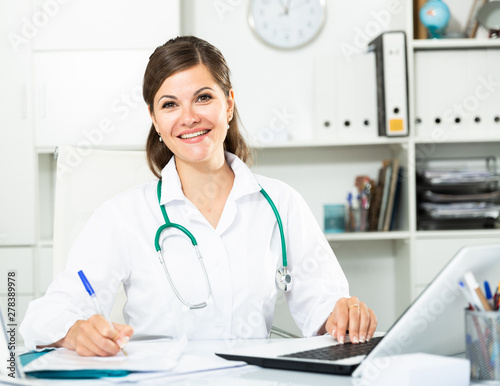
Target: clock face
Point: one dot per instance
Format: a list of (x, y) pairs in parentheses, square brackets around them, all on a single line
[(287, 24)]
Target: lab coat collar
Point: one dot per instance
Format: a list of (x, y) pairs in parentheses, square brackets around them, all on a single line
[(244, 180), (171, 188)]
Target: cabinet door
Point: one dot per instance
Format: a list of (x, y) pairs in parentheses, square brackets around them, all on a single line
[(19, 263), (90, 98), (104, 24), (17, 165), (44, 263)]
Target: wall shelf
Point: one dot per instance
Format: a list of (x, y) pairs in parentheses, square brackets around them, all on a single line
[(465, 139), (332, 143), (454, 44), (368, 236), (459, 234)]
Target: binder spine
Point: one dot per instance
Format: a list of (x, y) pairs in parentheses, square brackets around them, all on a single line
[(379, 65), (391, 61)]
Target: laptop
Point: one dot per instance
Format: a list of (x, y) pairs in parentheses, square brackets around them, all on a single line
[(433, 324)]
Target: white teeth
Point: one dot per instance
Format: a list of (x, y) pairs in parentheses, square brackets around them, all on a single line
[(192, 135)]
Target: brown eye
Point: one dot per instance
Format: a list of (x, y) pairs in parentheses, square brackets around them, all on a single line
[(204, 97), (168, 105)]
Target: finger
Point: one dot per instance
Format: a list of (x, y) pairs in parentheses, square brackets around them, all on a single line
[(124, 329), (109, 331), (90, 342), (340, 318), (103, 327), (87, 346), (124, 333), (354, 315), (373, 324), (331, 326), (364, 322)]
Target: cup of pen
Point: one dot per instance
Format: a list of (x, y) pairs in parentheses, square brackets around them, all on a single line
[(482, 342)]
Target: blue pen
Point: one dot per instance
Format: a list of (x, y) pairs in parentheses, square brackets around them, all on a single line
[(97, 305), (487, 292)]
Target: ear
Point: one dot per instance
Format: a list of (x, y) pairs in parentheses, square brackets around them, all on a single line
[(230, 101), (152, 115)]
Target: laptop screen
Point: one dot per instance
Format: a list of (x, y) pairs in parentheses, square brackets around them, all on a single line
[(435, 321)]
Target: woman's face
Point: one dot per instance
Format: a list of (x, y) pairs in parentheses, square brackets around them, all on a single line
[(191, 113)]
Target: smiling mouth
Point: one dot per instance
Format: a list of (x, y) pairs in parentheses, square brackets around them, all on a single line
[(192, 135)]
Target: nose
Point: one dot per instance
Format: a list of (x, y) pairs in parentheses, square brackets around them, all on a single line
[(189, 116)]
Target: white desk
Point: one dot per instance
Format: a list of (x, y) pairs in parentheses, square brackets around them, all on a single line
[(246, 375)]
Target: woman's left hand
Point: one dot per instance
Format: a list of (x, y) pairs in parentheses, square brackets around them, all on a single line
[(353, 315)]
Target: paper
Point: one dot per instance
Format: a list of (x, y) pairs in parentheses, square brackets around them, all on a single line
[(158, 355), (148, 360)]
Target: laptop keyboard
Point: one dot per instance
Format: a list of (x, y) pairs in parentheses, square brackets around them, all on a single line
[(336, 352)]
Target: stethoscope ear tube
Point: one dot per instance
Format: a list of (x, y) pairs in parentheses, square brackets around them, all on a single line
[(174, 288)]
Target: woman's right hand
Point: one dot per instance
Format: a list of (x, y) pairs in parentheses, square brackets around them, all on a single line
[(95, 337)]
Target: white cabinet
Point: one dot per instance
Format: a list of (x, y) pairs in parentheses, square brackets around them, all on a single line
[(104, 24), (90, 98), (19, 261), (448, 109), (17, 201), (89, 60), (43, 273)]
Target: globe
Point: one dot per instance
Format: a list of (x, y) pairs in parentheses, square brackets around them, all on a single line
[(435, 16)]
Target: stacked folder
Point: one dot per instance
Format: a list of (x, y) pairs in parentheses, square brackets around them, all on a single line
[(458, 193)]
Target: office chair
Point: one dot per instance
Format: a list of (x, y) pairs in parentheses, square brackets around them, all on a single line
[(86, 178)]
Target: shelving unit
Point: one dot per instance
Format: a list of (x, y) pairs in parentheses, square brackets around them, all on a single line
[(454, 44), (315, 85)]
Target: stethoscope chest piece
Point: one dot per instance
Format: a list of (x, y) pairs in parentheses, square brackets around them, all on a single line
[(283, 279)]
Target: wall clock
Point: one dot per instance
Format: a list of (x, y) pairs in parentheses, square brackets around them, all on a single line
[(287, 24)]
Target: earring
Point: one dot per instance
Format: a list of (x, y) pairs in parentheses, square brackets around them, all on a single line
[(228, 127), (160, 138)]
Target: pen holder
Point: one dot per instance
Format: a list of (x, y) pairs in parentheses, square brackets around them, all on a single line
[(334, 218), (482, 341)]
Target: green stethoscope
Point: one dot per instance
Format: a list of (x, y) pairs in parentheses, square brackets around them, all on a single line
[(283, 278)]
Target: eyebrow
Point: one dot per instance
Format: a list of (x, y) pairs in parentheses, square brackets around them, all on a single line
[(194, 94)]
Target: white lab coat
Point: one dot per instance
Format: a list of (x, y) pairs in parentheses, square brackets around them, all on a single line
[(241, 257)]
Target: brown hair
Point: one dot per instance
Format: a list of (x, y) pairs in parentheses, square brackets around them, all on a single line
[(178, 54)]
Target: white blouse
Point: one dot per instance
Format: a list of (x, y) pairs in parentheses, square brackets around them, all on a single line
[(241, 257)]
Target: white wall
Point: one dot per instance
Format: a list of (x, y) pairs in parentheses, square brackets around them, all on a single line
[(332, 79)]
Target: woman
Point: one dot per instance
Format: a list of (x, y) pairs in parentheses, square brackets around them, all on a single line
[(195, 148)]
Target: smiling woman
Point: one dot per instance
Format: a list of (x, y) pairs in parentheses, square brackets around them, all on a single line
[(174, 58), (191, 115), (227, 239)]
